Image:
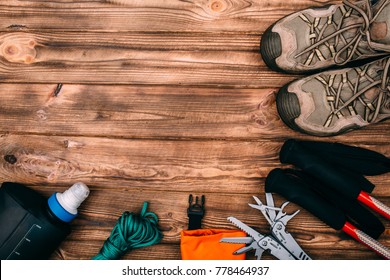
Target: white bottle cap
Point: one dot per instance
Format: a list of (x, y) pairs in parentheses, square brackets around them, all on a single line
[(71, 199)]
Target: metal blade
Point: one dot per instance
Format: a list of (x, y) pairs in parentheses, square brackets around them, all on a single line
[(268, 211), (281, 213), (269, 199), (270, 202), (286, 218), (261, 206), (237, 240), (250, 231), (244, 250), (263, 211), (263, 242)]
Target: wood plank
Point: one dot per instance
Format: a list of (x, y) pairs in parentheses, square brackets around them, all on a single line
[(156, 113), (128, 15), (227, 166), (89, 42), (112, 58), (135, 163)]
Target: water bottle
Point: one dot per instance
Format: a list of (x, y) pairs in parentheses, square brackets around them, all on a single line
[(32, 226)]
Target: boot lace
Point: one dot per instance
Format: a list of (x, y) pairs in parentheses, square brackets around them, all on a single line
[(372, 107), (347, 48)]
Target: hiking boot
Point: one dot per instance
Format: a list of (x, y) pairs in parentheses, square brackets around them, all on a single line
[(333, 102), (317, 38)]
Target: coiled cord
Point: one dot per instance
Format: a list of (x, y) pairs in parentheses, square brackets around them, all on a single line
[(130, 232)]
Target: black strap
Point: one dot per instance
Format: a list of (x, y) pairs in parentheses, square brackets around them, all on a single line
[(195, 212)]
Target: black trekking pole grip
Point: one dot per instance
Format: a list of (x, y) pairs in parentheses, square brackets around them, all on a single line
[(289, 187), (343, 181)]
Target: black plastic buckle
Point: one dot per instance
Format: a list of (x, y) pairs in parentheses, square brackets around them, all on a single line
[(195, 212)]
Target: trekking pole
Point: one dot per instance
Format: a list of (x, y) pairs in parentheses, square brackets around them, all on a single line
[(350, 185), (278, 182)]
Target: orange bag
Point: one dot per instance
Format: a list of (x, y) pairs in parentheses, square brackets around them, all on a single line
[(203, 244)]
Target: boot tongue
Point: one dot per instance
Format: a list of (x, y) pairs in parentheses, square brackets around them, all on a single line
[(380, 28)]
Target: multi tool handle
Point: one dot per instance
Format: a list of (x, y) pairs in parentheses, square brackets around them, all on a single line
[(286, 239)]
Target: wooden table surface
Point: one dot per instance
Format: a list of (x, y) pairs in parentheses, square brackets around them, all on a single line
[(148, 100)]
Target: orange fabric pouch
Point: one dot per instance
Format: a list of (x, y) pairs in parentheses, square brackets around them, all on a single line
[(203, 244)]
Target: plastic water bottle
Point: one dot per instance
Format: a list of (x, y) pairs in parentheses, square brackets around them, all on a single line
[(32, 226)]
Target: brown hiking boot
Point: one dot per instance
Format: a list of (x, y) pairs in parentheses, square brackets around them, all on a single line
[(337, 101), (317, 38)]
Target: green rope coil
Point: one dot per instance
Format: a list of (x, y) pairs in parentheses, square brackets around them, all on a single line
[(131, 231)]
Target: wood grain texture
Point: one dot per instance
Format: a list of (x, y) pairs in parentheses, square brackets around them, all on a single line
[(151, 101), (119, 58), (128, 15), (115, 57), (155, 113), (223, 166)]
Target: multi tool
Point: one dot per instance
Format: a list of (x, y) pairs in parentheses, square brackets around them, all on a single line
[(280, 243)]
